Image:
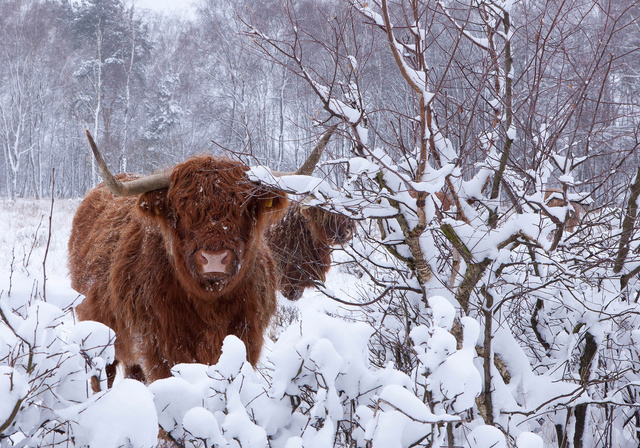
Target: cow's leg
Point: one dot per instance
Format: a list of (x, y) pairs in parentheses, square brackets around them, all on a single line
[(95, 384)]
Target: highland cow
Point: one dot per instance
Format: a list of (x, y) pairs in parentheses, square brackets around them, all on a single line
[(301, 244), (175, 262)]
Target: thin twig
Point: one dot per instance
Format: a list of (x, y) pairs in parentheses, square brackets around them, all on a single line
[(46, 250)]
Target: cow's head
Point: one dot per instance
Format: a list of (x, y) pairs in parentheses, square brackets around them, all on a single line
[(213, 218), (331, 228)]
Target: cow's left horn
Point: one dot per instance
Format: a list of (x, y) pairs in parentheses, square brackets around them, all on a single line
[(310, 164), (129, 188)]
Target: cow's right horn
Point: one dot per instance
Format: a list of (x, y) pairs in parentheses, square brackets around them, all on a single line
[(129, 188)]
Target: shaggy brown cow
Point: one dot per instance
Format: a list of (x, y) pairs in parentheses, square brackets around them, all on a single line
[(301, 244), (177, 263)]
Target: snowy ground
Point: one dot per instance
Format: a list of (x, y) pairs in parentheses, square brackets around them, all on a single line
[(24, 238)]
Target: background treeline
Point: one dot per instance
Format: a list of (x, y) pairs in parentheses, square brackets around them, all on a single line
[(154, 89)]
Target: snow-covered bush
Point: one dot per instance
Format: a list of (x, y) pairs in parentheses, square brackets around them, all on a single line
[(316, 389), (46, 361), (476, 158)]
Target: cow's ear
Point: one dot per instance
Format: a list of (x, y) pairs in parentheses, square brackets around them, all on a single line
[(272, 203), (154, 204)]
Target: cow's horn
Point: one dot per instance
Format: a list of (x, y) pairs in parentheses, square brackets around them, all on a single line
[(310, 164), (129, 188)]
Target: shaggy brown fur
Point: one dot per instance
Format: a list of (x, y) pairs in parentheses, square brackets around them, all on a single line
[(553, 198), (301, 245), (136, 261)]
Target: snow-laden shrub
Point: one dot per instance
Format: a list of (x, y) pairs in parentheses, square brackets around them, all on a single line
[(317, 389), (123, 416), (485, 436), (452, 379), (46, 361)]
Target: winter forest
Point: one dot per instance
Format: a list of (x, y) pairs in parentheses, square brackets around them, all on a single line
[(487, 152)]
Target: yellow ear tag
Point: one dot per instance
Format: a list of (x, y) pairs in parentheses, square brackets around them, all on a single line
[(270, 203)]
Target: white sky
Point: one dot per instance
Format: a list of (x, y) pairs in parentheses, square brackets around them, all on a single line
[(184, 6)]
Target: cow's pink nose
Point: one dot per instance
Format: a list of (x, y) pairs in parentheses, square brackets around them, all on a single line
[(215, 262)]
